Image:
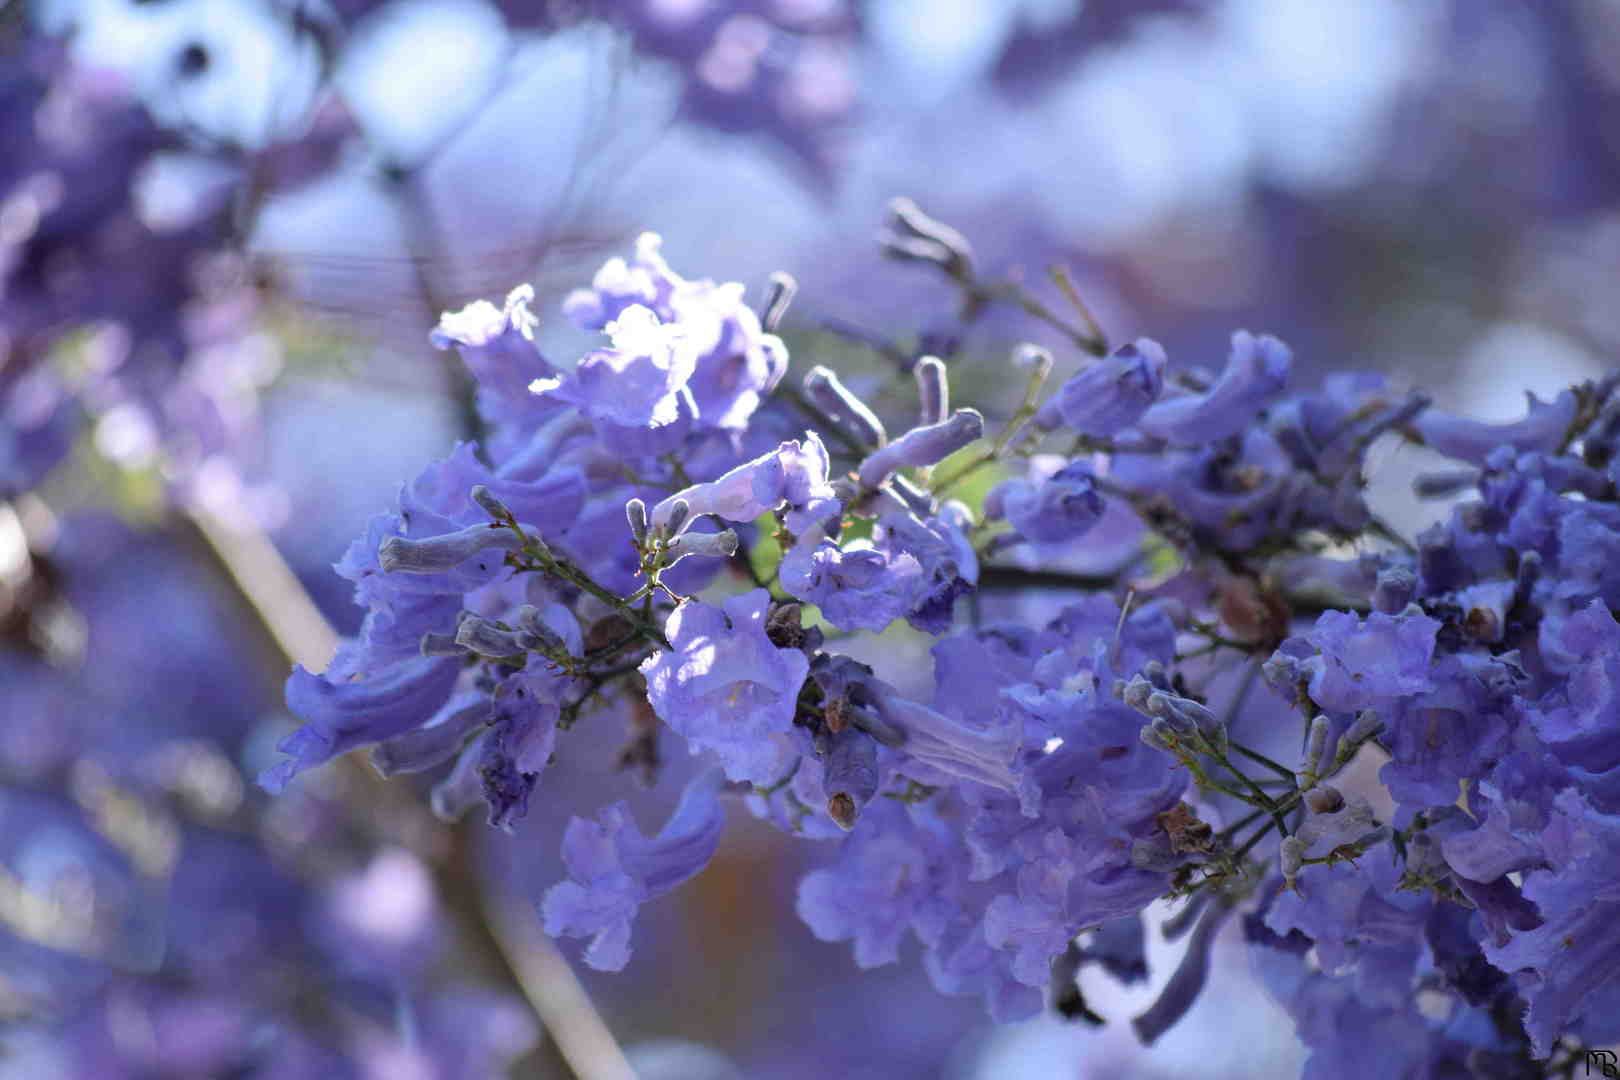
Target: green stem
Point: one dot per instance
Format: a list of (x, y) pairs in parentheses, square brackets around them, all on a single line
[(1261, 759)]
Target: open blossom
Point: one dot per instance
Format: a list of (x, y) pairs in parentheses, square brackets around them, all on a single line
[(1254, 376), (725, 687), (614, 868), (1110, 395), (635, 388)]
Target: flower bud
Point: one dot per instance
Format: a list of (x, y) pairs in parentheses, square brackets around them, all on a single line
[(1324, 799), (720, 545), (1292, 857), (913, 498), (1134, 693), (1367, 725), (783, 288), (1315, 747), (437, 554), (536, 634), (1111, 394), (923, 446), (1395, 588), (487, 638), (489, 504), (440, 645), (932, 389), (635, 511), (674, 518), (916, 237), (828, 394)]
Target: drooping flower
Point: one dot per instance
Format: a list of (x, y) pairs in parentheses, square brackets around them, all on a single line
[(614, 868), (725, 687)]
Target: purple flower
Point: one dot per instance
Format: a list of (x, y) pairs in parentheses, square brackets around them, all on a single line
[(1571, 956), (339, 716), (734, 363), (1060, 508), (644, 280), (794, 474), (636, 392), (921, 446), (1583, 650), (1112, 394), (497, 345), (613, 869), (1543, 427), (857, 586), (725, 687), (948, 566), (878, 889), (522, 735), (1255, 375), (1370, 663), (738, 363)]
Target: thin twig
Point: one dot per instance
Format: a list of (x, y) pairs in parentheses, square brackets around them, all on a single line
[(555, 992), (270, 586)]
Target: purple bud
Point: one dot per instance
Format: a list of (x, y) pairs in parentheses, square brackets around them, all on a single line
[(535, 633), (720, 545), (1112, 394), (1135, 693), (923, 446), (783, 289), (436, 644), (437, 554), (1324, 799), (422, 749), (1395, 589), (671, 516), (1187, 717), (846, 410), (487, 638), (933, 389), (1367, 724), (487, 502), (1292, 858), (914, 499), (635, 511), (919, 238), (1316, 745), (1255, 374)]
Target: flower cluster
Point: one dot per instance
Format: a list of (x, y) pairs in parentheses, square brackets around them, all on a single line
[(157, 914), (1196, 724)]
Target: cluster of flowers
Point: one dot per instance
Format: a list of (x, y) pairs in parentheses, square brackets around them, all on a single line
[(166, 362), (1067, 769), (158, 916), (781, 67), (132, 308)]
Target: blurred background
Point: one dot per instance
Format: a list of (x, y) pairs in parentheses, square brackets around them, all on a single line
[(226, 227)]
